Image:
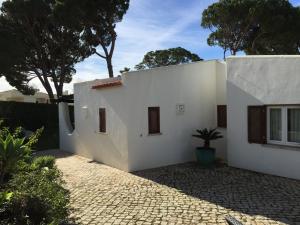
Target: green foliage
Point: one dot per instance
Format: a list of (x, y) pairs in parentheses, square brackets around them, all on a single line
[(253, 26), (208, 135), (125, 70), (97, 20), (43, 162), (5, 197), (172, 56), (15, 151), (32, 192), (12, 152), (36, 42), (39, 199)]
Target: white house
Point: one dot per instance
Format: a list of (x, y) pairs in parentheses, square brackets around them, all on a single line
[(146, 119), (17, 96), (263, 126)]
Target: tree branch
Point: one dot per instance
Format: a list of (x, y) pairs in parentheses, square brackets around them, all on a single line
[(98, 54)]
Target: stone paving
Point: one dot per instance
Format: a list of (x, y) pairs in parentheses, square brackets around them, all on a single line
[(181, 194)]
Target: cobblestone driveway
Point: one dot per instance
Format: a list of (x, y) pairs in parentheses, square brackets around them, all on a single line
[(182, 194)]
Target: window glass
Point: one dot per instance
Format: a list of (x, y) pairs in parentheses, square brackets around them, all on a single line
[(275, 124), (294, 125)]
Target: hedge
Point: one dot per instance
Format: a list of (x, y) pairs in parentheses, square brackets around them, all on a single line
[(32, 116)]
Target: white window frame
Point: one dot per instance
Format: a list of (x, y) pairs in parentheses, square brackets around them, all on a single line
[(284, 126)]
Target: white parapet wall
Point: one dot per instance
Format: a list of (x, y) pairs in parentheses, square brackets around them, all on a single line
[(261, 80), (126, 144)]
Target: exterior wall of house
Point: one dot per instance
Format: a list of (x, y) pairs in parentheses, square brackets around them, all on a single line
[(15, 95), (194, 86), (259, 80), (126, 144), (221, 90), (111, 147)]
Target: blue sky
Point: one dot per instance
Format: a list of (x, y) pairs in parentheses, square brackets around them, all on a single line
[(150, 25)]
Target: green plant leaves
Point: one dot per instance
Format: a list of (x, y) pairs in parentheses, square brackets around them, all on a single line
[(208, 135)]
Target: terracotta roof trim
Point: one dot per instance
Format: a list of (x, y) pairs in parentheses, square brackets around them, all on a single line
[(107, 84)]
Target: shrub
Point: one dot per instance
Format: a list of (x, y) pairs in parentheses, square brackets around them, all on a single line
[(39, 198), (32, 192), (43, 162), (14, 151)]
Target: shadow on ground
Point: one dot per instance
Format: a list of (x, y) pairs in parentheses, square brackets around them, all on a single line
[(247, 192)]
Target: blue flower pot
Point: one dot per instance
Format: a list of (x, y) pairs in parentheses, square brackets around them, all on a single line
[(205, 156)]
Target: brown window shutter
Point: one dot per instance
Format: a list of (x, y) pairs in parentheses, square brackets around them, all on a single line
[(257, 124), (102, 120), (222, 116), (153, 120)]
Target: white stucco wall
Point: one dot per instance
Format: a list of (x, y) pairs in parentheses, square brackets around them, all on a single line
[(221, 90), (193, 85), (127, 145), (258, 80), (111, 147)]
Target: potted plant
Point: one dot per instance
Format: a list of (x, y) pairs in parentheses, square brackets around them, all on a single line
[(206, 154)]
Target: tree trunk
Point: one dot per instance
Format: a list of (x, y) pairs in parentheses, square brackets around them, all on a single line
[(52, 99), (109, 67), (233, 52), (59, 91), (50, 94)]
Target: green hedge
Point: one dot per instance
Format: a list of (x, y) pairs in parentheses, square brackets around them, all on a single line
[(32, 116)]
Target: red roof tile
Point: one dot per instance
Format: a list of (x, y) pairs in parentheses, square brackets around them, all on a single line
[(107, 84)]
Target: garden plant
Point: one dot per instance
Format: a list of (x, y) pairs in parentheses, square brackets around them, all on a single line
[(31, 188)]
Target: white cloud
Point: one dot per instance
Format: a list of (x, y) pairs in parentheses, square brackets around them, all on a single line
[(148, 25)]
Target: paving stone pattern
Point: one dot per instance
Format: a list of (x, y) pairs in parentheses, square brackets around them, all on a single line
[(181, 194)]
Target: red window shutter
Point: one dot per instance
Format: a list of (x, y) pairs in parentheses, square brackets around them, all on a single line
[(222, 116), (153, 120), (102, 120), (257, 124)]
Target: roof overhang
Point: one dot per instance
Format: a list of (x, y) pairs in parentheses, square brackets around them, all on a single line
[(114, 83)]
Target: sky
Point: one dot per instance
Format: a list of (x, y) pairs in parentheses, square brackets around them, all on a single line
[(149, 25)]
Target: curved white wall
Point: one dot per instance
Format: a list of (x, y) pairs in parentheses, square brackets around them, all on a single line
[(258, 80)]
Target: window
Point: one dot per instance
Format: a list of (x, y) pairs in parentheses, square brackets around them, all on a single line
[(102, 120), (284, 125), (275, 124), (293, 121), (257, 124), (222, 116), (153, 120)]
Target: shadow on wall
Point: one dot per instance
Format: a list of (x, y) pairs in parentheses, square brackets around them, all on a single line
[(239, 190)]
